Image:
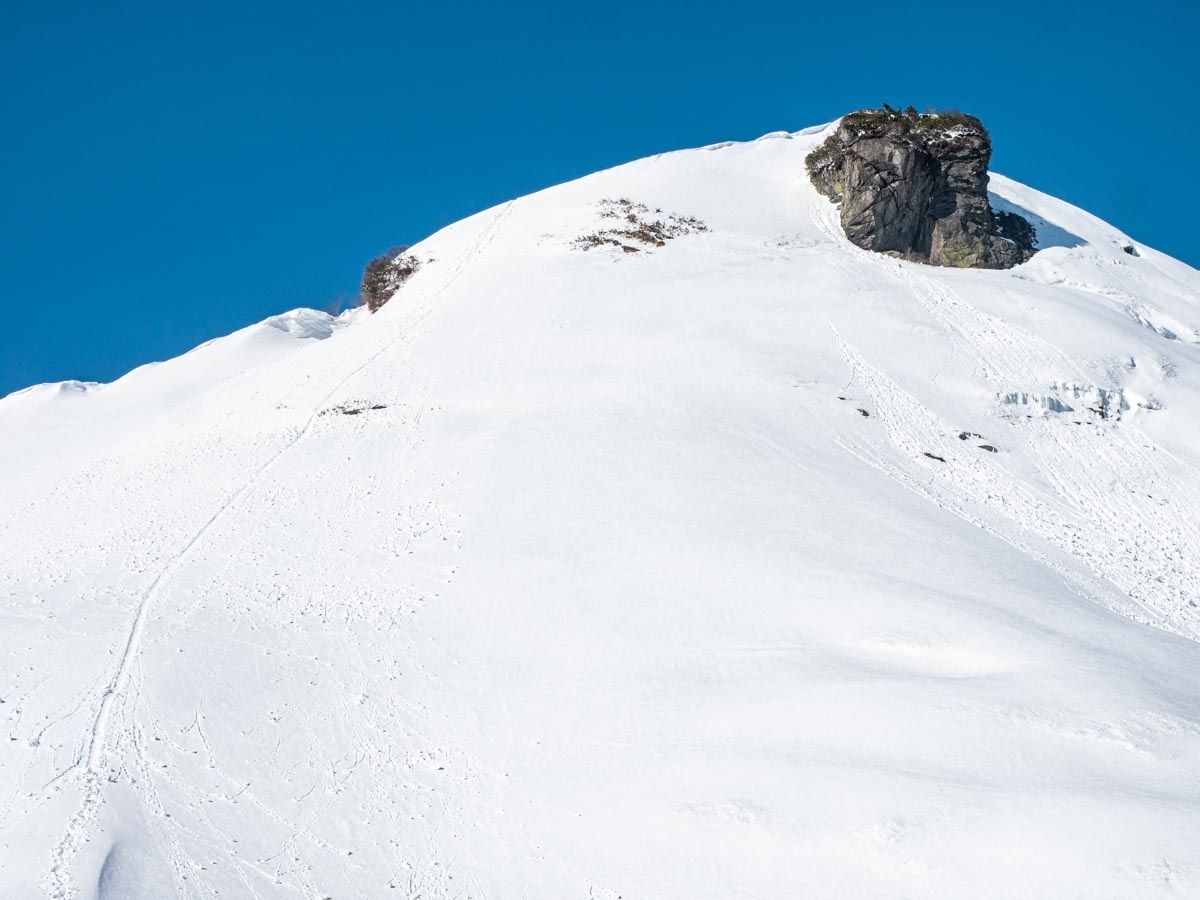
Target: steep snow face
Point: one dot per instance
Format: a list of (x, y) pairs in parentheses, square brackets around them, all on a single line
[(749, 565)]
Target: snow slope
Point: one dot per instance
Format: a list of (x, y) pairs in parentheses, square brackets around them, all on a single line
[(580, 574)]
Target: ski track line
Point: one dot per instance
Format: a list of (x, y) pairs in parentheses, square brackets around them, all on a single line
[(1105, 479), (1008, 359), (913, 429), (1110, 474), (64, 852)]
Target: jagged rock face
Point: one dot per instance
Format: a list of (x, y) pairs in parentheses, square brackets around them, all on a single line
[(916, 185)]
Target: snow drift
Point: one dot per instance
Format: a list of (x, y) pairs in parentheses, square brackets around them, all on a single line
[(748, 565)]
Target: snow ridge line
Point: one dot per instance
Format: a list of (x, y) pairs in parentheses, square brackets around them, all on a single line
[(99, 731)]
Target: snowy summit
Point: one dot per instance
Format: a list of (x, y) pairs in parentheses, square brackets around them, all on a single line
[(653, 540)]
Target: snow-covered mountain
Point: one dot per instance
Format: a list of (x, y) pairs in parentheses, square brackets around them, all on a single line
[(584, 573)]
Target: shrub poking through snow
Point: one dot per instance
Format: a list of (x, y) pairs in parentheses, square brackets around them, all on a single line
[(1016, 228), (386, 274), (634, 224)]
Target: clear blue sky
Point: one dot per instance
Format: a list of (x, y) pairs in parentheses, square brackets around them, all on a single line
[(171, 175)]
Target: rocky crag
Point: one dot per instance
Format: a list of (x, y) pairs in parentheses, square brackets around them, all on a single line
[(915, 185)]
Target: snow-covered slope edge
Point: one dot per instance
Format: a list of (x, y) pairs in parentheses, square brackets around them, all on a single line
[(601, 589), (54, 417)]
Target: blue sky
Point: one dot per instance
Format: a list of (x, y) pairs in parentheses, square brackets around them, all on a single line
[(172, 175)]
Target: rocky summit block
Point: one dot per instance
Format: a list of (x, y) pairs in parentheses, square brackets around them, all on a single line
[(915, 185)]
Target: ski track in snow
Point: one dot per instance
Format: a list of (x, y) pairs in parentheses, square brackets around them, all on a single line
[(92, 788), (1112, 482), (965, 484), (1109, 479)]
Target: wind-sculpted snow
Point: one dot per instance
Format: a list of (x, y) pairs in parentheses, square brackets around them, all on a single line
[(306, 323), (753, 566)]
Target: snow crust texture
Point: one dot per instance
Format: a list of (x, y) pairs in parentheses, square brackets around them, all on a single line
[(744, 564)]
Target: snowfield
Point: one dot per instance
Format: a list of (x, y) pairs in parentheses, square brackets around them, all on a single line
[(753, 565)]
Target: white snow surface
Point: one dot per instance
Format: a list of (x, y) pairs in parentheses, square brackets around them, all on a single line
[(571, 574)]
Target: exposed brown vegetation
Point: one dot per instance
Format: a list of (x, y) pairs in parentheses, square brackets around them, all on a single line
[(386, 274), (638, 226), (352, 408)]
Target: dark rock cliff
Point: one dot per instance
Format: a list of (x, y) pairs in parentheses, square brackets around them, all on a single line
[(916, 186)]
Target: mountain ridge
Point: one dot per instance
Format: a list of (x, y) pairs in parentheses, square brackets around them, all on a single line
[(607, 587)]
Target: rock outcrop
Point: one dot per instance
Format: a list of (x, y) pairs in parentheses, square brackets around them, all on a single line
[(915, 186)]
